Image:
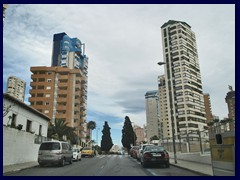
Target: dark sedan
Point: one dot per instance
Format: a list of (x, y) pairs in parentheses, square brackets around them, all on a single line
[(155, 155)]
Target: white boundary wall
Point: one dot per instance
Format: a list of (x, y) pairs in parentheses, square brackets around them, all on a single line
[(18, 146), (193, 157)]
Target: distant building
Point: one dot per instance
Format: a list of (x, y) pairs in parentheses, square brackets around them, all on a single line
[(114, 149), (208, 108), (16, 87), (139, 133), (4, 11), (152, 114), (230, 100)]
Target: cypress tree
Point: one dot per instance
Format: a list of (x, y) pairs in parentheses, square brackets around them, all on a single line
[(128, 135), (106, 142)]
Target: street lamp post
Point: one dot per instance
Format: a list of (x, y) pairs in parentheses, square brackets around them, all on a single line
[(134, 143), (97, 135), (173, 128)]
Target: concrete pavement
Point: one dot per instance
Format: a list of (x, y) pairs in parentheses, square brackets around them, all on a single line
[(203, 169), (200, 168)]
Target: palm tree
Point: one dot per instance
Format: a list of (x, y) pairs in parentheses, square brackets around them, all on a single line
[(60, 129), (91, 125)]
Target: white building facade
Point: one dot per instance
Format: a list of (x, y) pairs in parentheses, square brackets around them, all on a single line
[(185, 111), (16, 87), (152, 114), (18, 113)]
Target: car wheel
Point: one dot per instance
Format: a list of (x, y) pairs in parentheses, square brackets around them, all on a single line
[(71, 161), (167, 165), (143, 164), (41, 164), (62, 163)]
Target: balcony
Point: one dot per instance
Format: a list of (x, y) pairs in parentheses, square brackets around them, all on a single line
[(61, 116), (62, 92), (61, 99), (60, 107), (37, 76), (34, 91), (62, 84), (63, 77)]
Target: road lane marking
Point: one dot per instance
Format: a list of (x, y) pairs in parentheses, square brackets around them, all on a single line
[(151, 172)]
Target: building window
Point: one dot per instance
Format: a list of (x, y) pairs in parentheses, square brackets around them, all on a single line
[(40, 130), (49, 80), (46, 111), (48, 87), (47, 95), (13, 123), (39, 103), (29, 126), (40, 87), (47, 103)]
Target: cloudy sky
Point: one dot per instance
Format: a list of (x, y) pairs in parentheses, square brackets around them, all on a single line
[(123, 43)]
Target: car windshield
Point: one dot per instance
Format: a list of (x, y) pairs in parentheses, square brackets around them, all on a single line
[(75, 150), (87, 148), (154, 148), (50, 146)]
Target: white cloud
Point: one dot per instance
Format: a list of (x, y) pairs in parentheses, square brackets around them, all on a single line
[(124, 44)]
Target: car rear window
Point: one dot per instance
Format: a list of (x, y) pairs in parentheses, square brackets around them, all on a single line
[(154, 148), (50, 146), (87, 148)]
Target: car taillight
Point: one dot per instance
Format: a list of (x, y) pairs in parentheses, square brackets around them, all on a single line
[(166, 155), (147, 155)]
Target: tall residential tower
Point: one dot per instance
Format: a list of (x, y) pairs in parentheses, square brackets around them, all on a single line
[(16, 87), (185, 111), (60, 91)]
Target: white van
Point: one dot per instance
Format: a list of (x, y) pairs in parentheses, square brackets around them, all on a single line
[(55, 152)]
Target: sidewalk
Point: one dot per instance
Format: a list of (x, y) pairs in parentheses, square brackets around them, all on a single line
[(17, 167), (204, 169)]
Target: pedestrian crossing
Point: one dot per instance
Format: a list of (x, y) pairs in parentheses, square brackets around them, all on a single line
[(111, 156)]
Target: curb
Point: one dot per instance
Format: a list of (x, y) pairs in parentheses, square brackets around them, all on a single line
[(18, 169), (200, 173)]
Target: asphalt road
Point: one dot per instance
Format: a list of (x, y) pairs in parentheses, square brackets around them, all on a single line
[(103, 165)]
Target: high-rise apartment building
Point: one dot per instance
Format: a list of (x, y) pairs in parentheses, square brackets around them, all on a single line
[(60, 91), (4, 11), (16, 88), (208, 108), (230, 100), (152, 114), (185, 111)]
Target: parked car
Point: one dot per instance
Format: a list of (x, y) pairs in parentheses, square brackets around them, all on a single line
[(88, 151), (132, 149), (140, 150), (155, 155), (55, 152), (135, 152), (77, 154)]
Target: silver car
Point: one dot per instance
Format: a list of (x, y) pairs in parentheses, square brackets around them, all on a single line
[(55, 152)]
